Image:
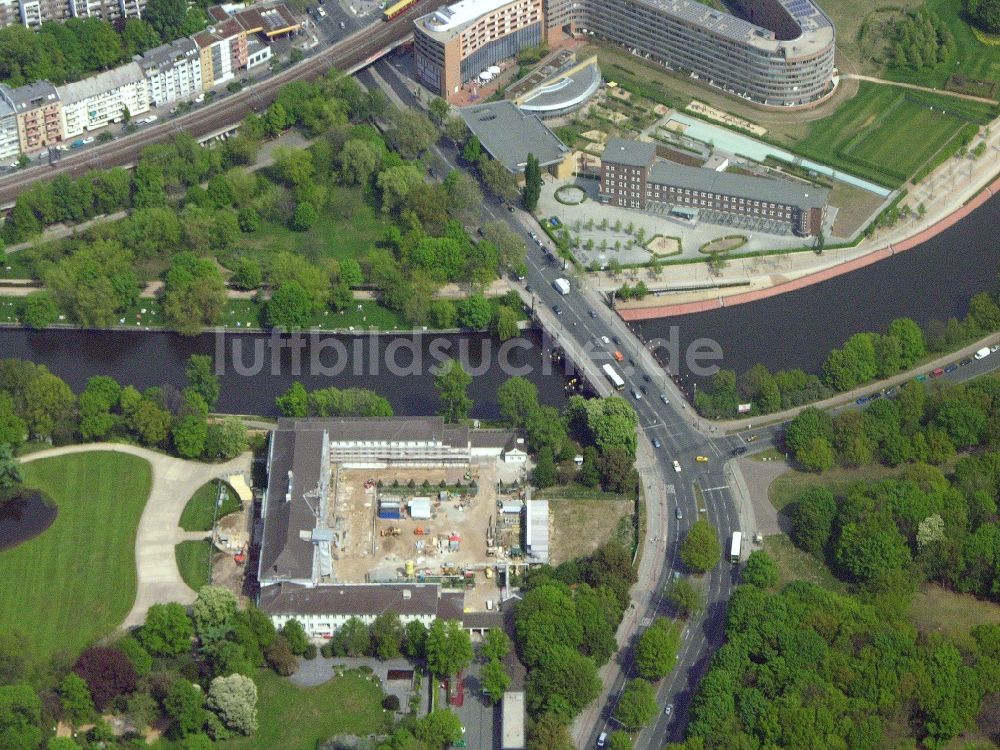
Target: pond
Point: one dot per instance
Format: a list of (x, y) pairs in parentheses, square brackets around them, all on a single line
[(24, 514)]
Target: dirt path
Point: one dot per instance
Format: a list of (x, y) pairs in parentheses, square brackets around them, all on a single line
[(915, 87), (174, 482)]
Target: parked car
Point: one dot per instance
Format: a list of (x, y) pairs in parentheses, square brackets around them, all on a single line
[(951, 368), (739, 450), (678, 513), (664, 399), (862, 401), (647, 378), (920, 378), (636, 394), (668, 709), (677, 467), (643, 389), (619, 357), (557, 310), (891, 393), (591, 313), (965, 362), (875, 396), (656, 442), (701, 459)]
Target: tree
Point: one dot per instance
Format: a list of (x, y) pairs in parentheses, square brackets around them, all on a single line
[(495, 645), (213, 612), (167, 630), (549, 733), (465, 199), (193, 294), (394, 185), (290, 308), (202, 378), (544, 474), (386, 636), (449, 648), (10, 468), (532, 183), (39, 310), (637, 705), (166, 17), (613, 424), (656, 650), (760, 570), (497, 179), (74, 698), (439, 729), (415, 640), (617, 471), (48, 403), (505, 323), (563, 683), (184, 703), (296, 636), (808, 423), (412, 133), (452, 385), (517, 398), (138, 36), (13, 429), (494, 679), (353, 638), (870, 550), (107, 672), (475, 312), (812, 515), (190, 433), (439, 110), (20, 717), (816, 455), (226, 440), (700, 551), (101, 395), (280, 657), (619, 741), (94, 284), (294, 402), (472, 151), (684, 597), (357, 161), (234, 699), (304, 216)]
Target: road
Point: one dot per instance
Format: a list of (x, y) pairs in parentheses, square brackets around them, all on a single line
[(583, 319), (227, 111)]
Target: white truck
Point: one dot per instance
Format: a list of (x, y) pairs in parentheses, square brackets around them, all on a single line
[(983, 353), (561, 285)]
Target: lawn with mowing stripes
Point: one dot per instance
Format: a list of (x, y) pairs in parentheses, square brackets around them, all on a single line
[(200, 509), (76, 582), (885, 133), (194, 558)]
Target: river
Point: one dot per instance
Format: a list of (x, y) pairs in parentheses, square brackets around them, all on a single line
[(395, 366), (797, 329)]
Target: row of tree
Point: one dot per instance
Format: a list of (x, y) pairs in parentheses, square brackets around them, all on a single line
[(37, 405), (920, 39), (863, 358)]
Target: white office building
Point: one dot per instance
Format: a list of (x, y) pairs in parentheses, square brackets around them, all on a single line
[(172, 71), (97, 101), (10, 145)]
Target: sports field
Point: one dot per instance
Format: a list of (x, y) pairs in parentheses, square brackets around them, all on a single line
[(885, 133), (76, 582)]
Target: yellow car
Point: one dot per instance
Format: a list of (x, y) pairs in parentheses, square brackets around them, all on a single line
[(703, 459)]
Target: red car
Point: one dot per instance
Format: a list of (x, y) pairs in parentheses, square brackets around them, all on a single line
[(937, 372)]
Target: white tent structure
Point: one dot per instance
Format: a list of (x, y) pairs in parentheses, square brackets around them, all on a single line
[(420, 508)]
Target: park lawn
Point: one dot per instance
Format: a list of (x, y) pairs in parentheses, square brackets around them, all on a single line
[(797, 565), (194, 562), (973, 58), (937, 610), (886, 133), (347, 228), (847, 17), (199, 511), (76, 582), (363, 314), (293, 718), (787, 487)]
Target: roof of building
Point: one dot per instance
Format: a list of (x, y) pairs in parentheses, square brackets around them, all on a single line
[(6, 105), (536, 535), (382, 429), (816, 29), (509, 135), (739, 185), (483, 620), (513, 721), (629, 153), (500, 439), (33, 95), (563, 90), (109, 80), (296, 467), (424, 599), (449, 20), (167, 55)]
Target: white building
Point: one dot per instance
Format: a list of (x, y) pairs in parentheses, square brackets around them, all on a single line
[(172, 72), (258, 53), (95, 102), (9, 142), (33, 13), (323, 610)]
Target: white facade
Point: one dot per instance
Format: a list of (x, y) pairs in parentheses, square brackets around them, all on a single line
[(10, 145), (172, 72), (257, 53), (95, 102), (324, 626)]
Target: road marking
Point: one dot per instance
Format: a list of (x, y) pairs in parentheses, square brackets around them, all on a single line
[(714, 489)]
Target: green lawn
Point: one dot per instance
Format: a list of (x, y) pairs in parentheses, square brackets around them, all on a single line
[(885, 133), (198, 513), (193, 562), (797, 565), (786, 488), (348, 228), (293, 718), (76, 582), (936, 610)]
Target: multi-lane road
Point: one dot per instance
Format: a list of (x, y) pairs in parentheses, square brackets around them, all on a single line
[(227, 111)]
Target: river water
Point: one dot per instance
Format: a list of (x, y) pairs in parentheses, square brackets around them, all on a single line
[(255, 368), (797, 329)]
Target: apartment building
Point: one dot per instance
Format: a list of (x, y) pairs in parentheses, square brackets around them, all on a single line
[(97, 101), (9, 142), (456, 43), (33, 13), (224, 51), (631, 177), (780, 53), (39, 115), (172, 72)]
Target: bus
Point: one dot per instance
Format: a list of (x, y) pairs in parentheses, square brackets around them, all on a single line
[(396, 8), (614, 377), (734, 553)]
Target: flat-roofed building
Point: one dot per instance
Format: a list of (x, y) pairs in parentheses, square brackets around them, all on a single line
[(509, 135), (631, 177), (172, 72), (512, 721), (224, 52), (10, 145), (33, 13), (779, 53), (39, 115), (97, 101), (456, 43)]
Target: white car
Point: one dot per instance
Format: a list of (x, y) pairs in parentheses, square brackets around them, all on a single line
[(677, 467), (664, 399), (638, 396), (605, 340)]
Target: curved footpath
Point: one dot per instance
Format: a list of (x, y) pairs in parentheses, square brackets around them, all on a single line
[(174, 482), (661, 311)]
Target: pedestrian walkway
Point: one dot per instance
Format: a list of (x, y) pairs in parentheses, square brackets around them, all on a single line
[(174, 482), (915, 87)]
